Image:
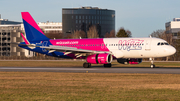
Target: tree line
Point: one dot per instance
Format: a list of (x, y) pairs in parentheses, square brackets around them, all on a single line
[(91, 33)]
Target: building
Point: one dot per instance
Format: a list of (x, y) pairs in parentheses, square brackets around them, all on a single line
[(173, 27), (10, 34), (83, 18), (47, 27), (7, 22)]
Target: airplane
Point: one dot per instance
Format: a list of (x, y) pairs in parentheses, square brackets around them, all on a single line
[(95, 50)]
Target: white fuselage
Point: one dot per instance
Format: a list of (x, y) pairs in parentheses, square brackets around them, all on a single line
[(139, 47)]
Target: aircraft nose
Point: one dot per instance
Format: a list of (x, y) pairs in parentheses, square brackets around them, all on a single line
[(172, 50)]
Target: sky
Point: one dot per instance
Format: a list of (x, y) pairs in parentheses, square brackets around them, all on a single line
[(141, 17)]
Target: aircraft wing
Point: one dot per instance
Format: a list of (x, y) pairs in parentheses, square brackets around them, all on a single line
[(53, 48)]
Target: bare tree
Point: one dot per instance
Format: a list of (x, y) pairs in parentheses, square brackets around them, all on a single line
[(92, 33), (110, 35), (107, 35), (69, 36), (161, 34), (158, 33), (79, 34), (176, 44), (75, 34), (82, 34)]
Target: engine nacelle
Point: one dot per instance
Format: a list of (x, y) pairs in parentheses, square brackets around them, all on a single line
[(100, 58), (129, 61)]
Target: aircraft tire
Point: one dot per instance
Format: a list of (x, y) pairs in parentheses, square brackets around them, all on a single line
[(86, 65), (152, 66)]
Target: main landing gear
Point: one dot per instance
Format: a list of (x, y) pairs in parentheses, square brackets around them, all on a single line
[(152, 63), (88, 65)]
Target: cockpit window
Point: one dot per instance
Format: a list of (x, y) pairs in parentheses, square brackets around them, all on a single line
[(166, 43), (162, 43)]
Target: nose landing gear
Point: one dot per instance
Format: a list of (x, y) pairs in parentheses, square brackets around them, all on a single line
[(152, 62)]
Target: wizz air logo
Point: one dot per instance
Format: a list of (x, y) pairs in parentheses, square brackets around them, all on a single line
[(132, 44)]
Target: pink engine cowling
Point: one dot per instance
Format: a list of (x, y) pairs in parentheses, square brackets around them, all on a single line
[(99, 58)]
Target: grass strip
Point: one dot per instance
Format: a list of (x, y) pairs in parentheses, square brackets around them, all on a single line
[(43, 86), (78, 64)]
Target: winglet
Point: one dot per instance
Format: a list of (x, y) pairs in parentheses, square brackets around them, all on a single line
[(25, 40)]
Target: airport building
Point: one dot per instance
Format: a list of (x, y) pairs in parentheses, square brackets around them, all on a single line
[(173, 27), (10, 34), (83, 18), (49, 27), (7, 22)]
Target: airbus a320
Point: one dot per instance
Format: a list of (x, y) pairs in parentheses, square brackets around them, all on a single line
[(95, 51)]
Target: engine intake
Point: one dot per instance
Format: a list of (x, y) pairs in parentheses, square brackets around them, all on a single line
[(100, 58)]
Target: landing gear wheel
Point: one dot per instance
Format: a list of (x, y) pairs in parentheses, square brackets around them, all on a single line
[(108, 65), (152, 66), (152, 63), (86, 65)]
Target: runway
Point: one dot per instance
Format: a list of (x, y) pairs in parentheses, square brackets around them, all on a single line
[(94, 70)]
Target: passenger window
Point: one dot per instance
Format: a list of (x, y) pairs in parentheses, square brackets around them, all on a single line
[(158, 44), (162, 43)]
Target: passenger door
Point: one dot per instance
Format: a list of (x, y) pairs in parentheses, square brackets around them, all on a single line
[(148, 45)]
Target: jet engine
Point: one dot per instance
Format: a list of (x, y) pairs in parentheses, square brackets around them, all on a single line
[(129, 61), (103, 58)]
